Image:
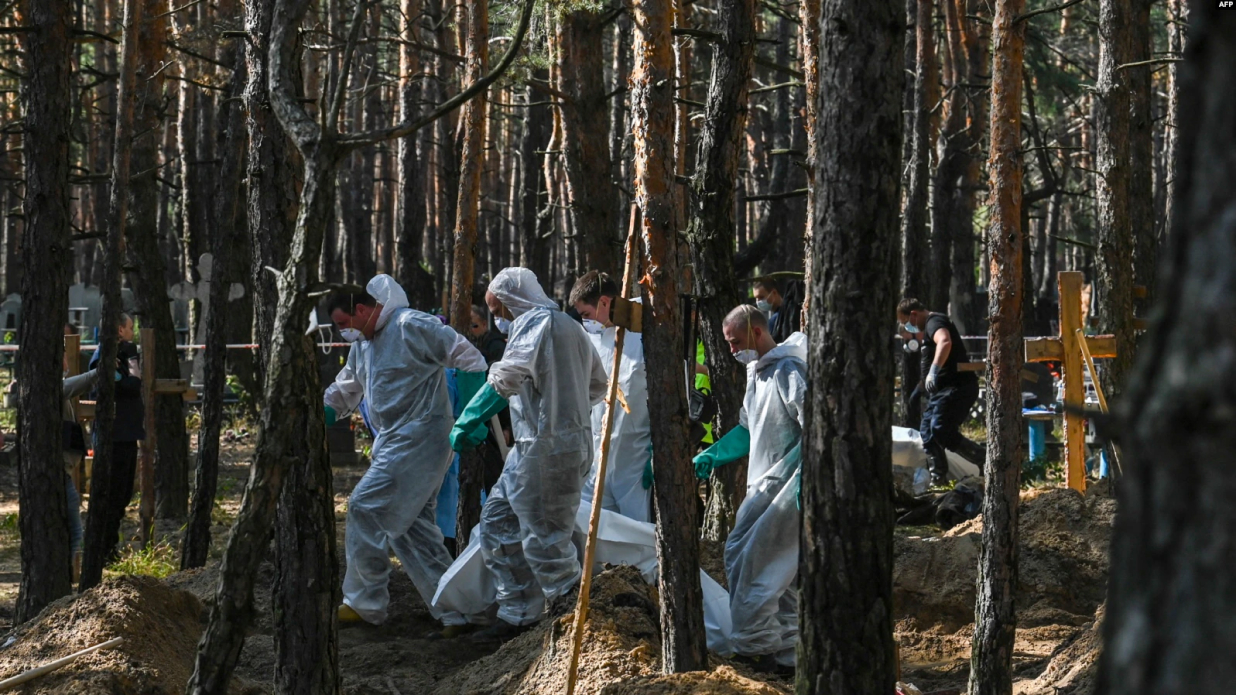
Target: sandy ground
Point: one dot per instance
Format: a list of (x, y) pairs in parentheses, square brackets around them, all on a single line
[(1064, 567)]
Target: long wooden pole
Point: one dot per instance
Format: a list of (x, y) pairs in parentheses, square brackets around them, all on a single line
[(58, 663), (594, 521), (1070, 285)]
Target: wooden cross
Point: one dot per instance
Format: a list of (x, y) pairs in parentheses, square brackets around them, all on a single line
[(1067, 349)]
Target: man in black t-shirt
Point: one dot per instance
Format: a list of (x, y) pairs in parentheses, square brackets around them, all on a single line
[(950, 392)]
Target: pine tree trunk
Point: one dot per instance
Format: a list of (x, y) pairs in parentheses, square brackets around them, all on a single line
[(991, 661), (951, 162), (683, 646), (580, 73), (1177, 36), (148, 277), (963, 293), (1141, 149), (534, 138), (226, 237), (271, 204), (1168, 629), (809, 49), (925, 268), (846, 567), (410, 186), (46, 98), (292, 431), (96, 543), (710, 234), (1114, 284), (471, 160)]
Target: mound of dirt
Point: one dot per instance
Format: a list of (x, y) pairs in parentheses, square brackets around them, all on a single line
[(1063, 547), (621, 652), (160, 626), (1073, 668), (1063, 565), (724, 680)]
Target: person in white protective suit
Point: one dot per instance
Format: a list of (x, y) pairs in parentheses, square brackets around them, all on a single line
[(397, 364), (628, 472), (551, 376), (761, 554)]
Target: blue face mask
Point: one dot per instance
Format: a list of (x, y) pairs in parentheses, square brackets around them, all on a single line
[(764, 305), (503, 325), (910, 328)]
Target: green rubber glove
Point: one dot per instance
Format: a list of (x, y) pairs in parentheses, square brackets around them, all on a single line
[(467, 384), (469, 430), (331, 416), (734, 445)]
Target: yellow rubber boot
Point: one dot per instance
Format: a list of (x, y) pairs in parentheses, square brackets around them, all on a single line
[(347, 615)]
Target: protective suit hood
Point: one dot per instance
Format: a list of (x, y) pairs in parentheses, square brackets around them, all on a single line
[(389, 294), (519, 291), (794, 346)]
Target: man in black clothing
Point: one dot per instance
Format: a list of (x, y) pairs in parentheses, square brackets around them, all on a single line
[(781, 302), (949, 392)]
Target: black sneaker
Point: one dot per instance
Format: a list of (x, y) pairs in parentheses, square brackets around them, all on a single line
[(501, 631)]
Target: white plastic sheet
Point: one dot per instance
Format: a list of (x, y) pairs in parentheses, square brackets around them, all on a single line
[(468, 587)]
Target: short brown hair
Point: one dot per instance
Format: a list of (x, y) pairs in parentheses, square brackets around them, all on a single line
[(768, 283), (909, 304), (746, 315), (591, 287)]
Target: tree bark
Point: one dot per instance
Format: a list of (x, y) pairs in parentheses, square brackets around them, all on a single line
[(846, 567), (951, 161), (1114, 284), (410, 186), (46, 98), (683, 646), (809, 49), (974, 44), (271, 203), (148, 276), (580, 73), (1141, 149), (991, 661), (534, 138), (1177, 36), (291, 424), (226, 236), (96, 544), (1168, 629), (917, 255), (710, 235), (471, 161)]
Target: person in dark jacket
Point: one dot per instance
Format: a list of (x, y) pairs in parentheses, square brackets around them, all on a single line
[(109, 497), (949, 392), (781, 302), (486, 338)]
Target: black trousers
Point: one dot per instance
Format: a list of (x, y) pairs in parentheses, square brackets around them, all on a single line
[(943, 415), (110, 493)]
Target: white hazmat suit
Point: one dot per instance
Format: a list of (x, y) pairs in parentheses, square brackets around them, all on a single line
[(761, 554), (630, 445), (401, 374), (552, 376)]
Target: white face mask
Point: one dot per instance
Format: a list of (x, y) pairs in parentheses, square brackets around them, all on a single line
[(351, 334), (746, 356), (503, 325), (764, 305), (593, 326)]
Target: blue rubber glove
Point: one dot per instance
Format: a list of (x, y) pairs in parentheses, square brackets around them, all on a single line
[(734, 445), (331, 416), (467, 384), (469, 430)]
